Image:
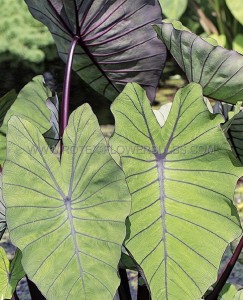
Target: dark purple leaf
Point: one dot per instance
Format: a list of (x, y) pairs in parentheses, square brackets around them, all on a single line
[(117, 42)]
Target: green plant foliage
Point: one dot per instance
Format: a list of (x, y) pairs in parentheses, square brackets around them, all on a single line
[(115, 43), (179, 203), (238, 43), (52, 136), (5, 103), (239, 295), (173, 9), (20, 34), (229, 292), (236, 8), (76, 208), (2, 211), (233, 126), (219, 71), (10, 274), (30, 105)]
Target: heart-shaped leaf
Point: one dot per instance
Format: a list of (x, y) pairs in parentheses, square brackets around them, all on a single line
[(179, 203), (117, 42), (30, 105), (71, 215), (219, 71), (10, 273)]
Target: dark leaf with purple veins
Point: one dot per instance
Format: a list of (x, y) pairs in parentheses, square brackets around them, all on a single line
[(117, 43)]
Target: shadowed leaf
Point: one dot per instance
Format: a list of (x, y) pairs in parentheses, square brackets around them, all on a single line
[(117, 43)]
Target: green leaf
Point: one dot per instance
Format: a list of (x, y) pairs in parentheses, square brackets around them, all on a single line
[(236, 9), (10, 274), (233, 126), (2, 211), (30, 105), (228, 292), (182, 216), (70, 215), (173, 9), (239, 295), (52, 136), (5, 102), (238, 43), (217, 70)]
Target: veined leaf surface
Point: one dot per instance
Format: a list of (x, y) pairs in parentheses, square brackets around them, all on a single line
[(30, 105), (179, 203), (117, 43), (10, 274), (219, 71), (71, 215)]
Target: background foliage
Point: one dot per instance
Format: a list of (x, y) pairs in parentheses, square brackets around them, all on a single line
[(21, 36)]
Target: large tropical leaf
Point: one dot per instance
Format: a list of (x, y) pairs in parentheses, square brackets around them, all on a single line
[(30, 105), (10, 273), (234, 126), (117, 42), (182, 215), (219, 71), (70, 215)]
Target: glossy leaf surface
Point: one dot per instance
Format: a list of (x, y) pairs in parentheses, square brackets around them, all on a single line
[(71, 215), (219, 71), (117, 43), (179, 204)]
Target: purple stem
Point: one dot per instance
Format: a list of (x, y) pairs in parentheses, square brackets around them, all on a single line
[(66, 87), (226, 273)]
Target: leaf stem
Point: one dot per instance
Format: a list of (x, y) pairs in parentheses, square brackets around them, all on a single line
[(226, 273), (66, 87)]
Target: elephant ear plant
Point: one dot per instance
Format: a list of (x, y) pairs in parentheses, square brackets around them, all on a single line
[(150, 200)]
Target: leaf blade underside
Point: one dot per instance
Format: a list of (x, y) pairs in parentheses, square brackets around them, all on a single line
[(219, 71), (178, 204), (117, 42)]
